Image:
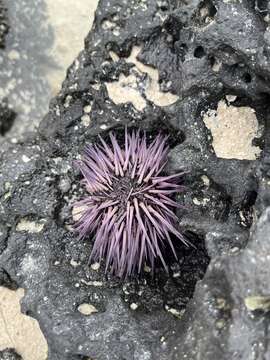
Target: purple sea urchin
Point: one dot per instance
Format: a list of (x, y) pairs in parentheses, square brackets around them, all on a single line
[(130, 206)]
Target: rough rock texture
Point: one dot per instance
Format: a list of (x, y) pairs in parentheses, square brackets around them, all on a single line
[(7, 117), (9, 354), (231, 305), (203, 51)]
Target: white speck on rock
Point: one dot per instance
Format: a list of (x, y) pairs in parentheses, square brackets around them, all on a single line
[(29, 226), (114, 56), (74, 263), (85, 119), (205, 180), (134, 306), (174, 312), (92, 283), (67, 101), (95, 266), (87, 109), (87, 309), (147, 269), (25, 159), (231, 98), (202, 202), (162, 339), (14, 55)]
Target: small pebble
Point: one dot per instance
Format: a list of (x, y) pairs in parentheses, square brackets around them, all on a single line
[(95, 266), (133, 306), (74, 263), (87, 309)]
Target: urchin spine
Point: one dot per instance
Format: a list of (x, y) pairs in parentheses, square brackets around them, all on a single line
[(130, 206)]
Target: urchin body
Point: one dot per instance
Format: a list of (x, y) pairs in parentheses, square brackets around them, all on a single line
[(130, 208)]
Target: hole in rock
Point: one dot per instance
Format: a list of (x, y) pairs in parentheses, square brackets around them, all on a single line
[(265, 99), (163, 5), (7, 117), (184, 272), (212, 61), (171, 290), (173, 25), (246, 207), (206, 11), (185, 253), (183, 51), (199, 52), (261, 6), (215, 63), (250, 199), (247, 78)]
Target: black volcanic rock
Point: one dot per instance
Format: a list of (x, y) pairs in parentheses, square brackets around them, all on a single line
[(228, 318), (203, 50), (9, 354), (7, 117)]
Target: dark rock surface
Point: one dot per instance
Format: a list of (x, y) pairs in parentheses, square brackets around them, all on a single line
[(203, 50), (9, 354), (7, 117), (231, 305)]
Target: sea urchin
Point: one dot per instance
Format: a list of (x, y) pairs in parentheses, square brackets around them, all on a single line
[(130, 206)]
